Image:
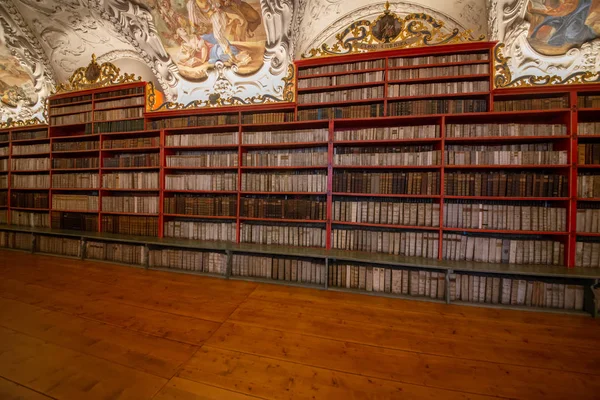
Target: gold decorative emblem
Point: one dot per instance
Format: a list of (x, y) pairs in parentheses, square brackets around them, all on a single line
[(390, 31), (96, 76), (11, 123), (503, 77), (150, 96), (216, 100)]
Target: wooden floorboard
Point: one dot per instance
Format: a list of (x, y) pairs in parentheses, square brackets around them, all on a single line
[(72, 329)]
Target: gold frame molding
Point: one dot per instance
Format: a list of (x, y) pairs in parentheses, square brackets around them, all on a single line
[(96, 76), (11, 123), (416, 30), (503, 78)]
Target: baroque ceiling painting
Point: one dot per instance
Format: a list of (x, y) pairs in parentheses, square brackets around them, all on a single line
[(546, 41)]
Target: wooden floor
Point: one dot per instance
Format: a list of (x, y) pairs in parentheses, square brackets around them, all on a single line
[(85, 330)]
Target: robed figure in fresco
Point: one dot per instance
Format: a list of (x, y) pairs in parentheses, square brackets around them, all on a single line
[(558, 25), (200, 33)]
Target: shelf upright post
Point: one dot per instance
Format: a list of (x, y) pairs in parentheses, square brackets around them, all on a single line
[(9, 178), (238, 224), (330, 138), (161, 183), (447, 291), (572, 211), (442, 123)]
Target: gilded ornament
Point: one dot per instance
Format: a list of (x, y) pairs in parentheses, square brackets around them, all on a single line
[(390, 31), (11, 123), (96, 76)]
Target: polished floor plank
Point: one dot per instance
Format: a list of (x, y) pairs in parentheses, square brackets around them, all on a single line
[(183, 389), (66, 374), (277, 379), (73, 329), (481, 377), (145, 353), (11, 391), (157, 323)]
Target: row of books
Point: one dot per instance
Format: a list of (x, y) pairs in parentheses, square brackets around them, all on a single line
[(130, 225), (588, 153), (3, 137), (58, 245), (3, 216), (392, 212), (132, 160), (285, 181), (30, 164), (435, 72), (195, 120), (72, 163), (287, 235), (451, 106), (442, 59), (423, 155), (115, 252), (71, 119), (517, 216), (267, 117), (225, 206), (74, 221), (16, 240), (510, 154), (405, 243), (426, 89), (588, 101), (205, 181), (587, 254), (31, 149), (413, 183), (76, 145), (189, 260), (127, 102), (77, 108), (289, 136), (118, 93), (288, 208), (80, 180), (119, 113), (389, 133), (306, 157), (4, 151), (4, 198), (545, 103), (371, 92), (75, 202), (30, 219), (349, 79), (28, 135), (588, 186), (370, 278), (588, 128), (588, 218), (129, 143), (202, 139), (278, 268), (119, 126), (502, 250), (361, 111), (71, 99), (4, 182), (337, 68), (505, 184), (508, 129), (131, 180), (37, 181), (225, 158), (131, 204), (4, 164), (515, 292), (201, 230)]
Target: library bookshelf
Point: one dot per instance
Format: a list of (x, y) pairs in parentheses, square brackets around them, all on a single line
[(396, 173)]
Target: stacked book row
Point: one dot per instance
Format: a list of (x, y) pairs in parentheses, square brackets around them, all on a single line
[(387, 156), (295, 136), (412, 183), (31, 149), (76, 108), (293, 181), (119, 126), (588, 153), (131, 143), (417, 244), (80, 180), (261, 207), (206, 181), (132, 160), (314, 156), (116, 114), (510, 154), (287, 235), (505, 184), (31, 219), (423, 89), (546, 103), (350, 79), (128, 102), (505, 251), (200, 230), (70, 119), (119, 93), (588, 101), (587, 254), (224, 206), (121, 253), (204, 139), (392, 212), (347, 67), (588, 186), (74, 221), (38, 181), (27, 135), (130, 225), (16, 240), (131, 204), (71, 99), (30, 164), (363, 111), (448, 58), (267, 118), (510, 129), (80, 162), (187, 260), (195, 120), (452, 106), (130, 180), (57, 245), (280, 269), (75, 202), (588, 218), (434, 72), (371, 92), (389, 133), (588, 128), (203, 159), (76, 145)]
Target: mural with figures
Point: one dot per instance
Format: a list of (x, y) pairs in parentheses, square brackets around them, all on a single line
[(559, 25), (198, 33), (15, 83)]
